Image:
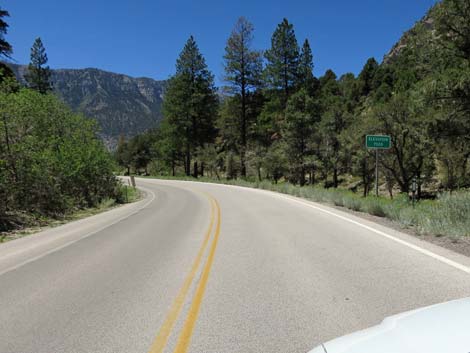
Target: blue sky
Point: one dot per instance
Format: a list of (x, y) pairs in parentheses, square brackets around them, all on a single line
[(144, 37)]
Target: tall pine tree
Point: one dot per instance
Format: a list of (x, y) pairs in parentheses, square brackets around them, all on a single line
[(5, 47), (297, 133), (367, 75), (306, 79), (191, 103), (39, 76), (283, 59), (243, 68)]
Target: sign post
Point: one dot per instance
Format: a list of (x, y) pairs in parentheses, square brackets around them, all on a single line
[(376, 172), (377, 142)]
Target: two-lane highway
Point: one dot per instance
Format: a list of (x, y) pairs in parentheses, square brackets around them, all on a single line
[(209, 268)]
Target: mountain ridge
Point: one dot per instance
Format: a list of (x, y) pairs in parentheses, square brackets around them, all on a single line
[(121, 104)]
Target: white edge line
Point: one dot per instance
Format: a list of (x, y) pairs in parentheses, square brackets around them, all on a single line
[(417, 248), (9, 269), (310, 204)]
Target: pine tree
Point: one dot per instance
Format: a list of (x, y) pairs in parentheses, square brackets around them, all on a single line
[(297, 133), (39, 76), (333, 122), (243, 68), (453, 26), (5, 47), (190, 103), (123, 154), (305, 76), (283, 59), (366, 77)]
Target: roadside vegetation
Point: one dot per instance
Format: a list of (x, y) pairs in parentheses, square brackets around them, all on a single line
[(275, 120), (275, 125), (52, 163), (446, 215)]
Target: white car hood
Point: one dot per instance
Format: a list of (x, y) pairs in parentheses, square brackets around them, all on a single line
[(441, 328)]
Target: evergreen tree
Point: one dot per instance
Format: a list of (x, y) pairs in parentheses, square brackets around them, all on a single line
[(39, 76), (243, 68), (297, 133), (139, 147), (283, 59), (190, 103), (449, 88), (275, 161), (123, 154), (305, 76), (333, 122), (5, 48), (328, 83), (366, 77), (453, 25)]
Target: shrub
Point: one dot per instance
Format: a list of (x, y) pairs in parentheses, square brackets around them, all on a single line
[(374, 206), (352, 202), (60, 165)]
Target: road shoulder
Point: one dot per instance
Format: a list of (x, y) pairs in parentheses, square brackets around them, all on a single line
[(15, 253)]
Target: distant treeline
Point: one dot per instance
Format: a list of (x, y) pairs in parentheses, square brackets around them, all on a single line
[(276, 120), (51, 161)]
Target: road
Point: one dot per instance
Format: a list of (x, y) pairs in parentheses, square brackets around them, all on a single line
[(208, 268)]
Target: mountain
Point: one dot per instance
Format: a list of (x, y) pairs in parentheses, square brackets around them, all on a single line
[(426, 23), (120, 104)]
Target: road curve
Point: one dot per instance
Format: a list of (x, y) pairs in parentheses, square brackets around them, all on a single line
[(208, 268)]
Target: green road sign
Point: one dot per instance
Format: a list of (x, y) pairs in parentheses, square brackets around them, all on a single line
[(378, 141)]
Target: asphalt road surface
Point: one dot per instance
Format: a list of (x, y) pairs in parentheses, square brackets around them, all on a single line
[(208, 268)]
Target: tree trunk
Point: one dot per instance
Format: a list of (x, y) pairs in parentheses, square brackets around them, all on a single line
[(302, 176), (462, 177), (10, 156), (195, 170), (187, 162), (335, 177), (366, 185), (286, 84), (418, 180)]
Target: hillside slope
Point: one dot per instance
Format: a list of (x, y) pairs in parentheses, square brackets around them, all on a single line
[(120, 104)]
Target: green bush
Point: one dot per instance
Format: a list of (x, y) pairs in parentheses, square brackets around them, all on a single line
[(374, 206), (51, 159), (353, 203), (126, 194), (448, 215)]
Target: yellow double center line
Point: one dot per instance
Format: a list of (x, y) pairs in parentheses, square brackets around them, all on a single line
[(184, 339)]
